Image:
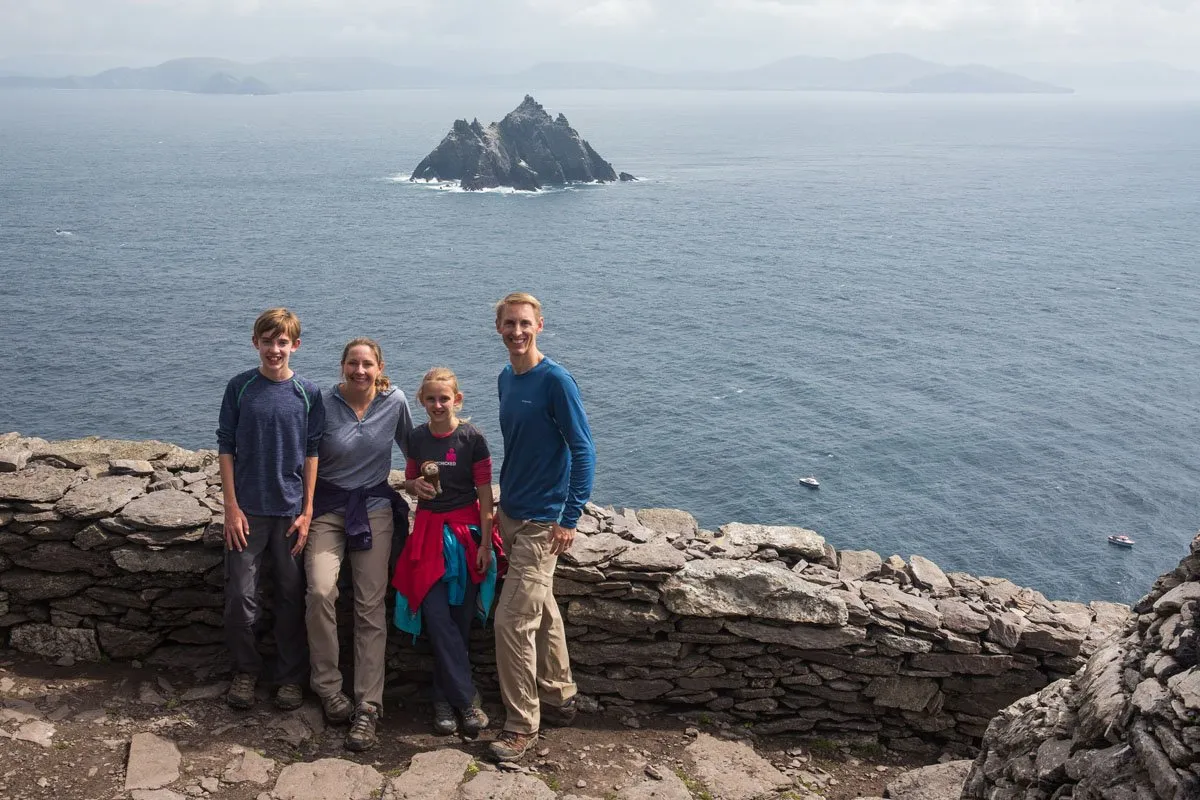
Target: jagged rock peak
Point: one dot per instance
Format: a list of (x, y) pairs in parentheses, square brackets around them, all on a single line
[(1124, 726), (528, 149)]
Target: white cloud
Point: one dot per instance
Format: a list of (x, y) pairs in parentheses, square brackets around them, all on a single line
[(675, 33), (614, 13)]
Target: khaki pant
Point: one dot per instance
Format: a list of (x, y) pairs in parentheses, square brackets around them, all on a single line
[(531, 646), (370, 569)]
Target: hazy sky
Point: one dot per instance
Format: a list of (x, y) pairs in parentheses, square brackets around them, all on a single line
[(512, 34)]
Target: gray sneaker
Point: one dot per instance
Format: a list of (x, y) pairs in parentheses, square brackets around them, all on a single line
[(444, 721), (241, 691), (362, 728)]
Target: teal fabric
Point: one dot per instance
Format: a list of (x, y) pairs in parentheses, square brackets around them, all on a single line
[(457, 575)]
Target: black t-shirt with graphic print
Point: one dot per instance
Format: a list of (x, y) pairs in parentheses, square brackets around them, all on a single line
[(456, 455)]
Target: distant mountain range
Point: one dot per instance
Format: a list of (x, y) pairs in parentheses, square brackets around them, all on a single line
[(879, 73)]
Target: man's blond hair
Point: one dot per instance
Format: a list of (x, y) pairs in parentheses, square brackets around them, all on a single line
[(519, 299)]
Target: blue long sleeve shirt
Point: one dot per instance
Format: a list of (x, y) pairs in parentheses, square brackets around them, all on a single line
[(270, 427), (549, 456)]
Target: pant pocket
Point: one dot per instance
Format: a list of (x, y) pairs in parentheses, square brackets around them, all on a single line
[(528, 595)]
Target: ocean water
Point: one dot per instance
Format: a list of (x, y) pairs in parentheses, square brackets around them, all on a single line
[(975, 319)]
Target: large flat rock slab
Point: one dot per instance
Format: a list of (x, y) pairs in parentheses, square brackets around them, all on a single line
[(667, 787), (191, 561), (598, 548), (938, 782), (505, 786), (807, 544), (51, 642), (328, 779), (729, 588), (435, 775), (101, 497), (732, 770), (38, 484), (153, 762), (672, 522), (249, 767), (165, 510)]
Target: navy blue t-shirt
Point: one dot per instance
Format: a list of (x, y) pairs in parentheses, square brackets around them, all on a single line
[(270, 427)]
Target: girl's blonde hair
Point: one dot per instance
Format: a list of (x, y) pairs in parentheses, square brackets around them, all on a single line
[(382, 382), (440, 375)]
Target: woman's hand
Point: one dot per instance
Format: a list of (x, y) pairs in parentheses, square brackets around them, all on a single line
[(483, 557)]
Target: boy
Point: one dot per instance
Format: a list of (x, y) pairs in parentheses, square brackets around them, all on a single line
[(549, 462), (270, 427)]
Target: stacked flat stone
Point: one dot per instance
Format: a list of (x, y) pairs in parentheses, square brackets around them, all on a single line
[(1126, 727), (113, 549), (109, 548)]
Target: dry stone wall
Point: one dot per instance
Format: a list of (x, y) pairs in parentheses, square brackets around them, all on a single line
[(113, 549), (1124, 728)]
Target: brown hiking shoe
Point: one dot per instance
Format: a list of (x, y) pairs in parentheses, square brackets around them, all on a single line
[(337, 708), (561, 716), (511, 746), (361, 735), (289, 697), (241, 691)]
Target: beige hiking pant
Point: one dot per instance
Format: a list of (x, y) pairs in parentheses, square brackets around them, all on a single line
[(371, 569), (531, 646)]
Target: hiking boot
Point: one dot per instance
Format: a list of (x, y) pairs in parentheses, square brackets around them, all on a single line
[(337, 708), (289, 697), (444, 721), (561, 716), (473, 721), (362, 728), (241, 690), (511, 746)]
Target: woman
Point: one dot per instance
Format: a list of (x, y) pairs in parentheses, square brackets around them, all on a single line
[(354, 506)]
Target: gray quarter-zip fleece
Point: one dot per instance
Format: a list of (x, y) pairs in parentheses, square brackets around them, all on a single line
[(357, 453)]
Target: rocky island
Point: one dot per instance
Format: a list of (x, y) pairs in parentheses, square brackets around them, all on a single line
[(526, 150)]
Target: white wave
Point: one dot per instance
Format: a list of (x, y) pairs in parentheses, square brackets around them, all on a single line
[(456, 186), (61, 232)]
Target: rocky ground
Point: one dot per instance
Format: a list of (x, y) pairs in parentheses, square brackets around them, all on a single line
[(98, 731)]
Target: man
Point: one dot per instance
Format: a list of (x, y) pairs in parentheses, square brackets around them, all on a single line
[(546, 478)]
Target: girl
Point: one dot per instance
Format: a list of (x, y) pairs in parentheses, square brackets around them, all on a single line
[(354, 505), (445, 574)]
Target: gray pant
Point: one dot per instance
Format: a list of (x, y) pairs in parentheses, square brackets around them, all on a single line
[(268, 536)]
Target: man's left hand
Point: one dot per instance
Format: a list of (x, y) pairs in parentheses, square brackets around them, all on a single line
[(561, 539)]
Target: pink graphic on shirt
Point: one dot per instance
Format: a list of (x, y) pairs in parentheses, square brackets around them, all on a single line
[(451, 456)]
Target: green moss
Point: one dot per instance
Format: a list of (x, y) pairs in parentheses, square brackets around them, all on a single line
[(822, 748), (470, 772), (872, 751), (551, 781), (695, 788)]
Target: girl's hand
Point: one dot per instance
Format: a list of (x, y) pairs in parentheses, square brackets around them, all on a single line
[(483, 557), (422, 489)]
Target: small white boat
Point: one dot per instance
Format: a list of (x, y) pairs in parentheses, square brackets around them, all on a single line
[(1120, 540), (810, 482)]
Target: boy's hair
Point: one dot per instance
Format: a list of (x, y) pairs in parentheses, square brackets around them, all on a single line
[(519, 299), (275, 321), (382, 382)]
